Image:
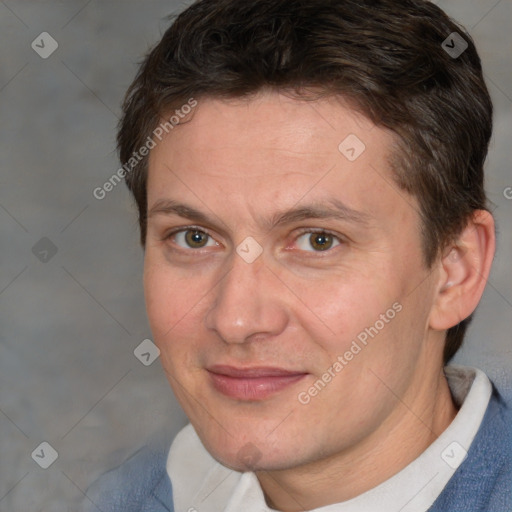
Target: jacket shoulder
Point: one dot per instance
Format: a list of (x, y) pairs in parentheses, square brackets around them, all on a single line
[(483, 482), (140, 484)]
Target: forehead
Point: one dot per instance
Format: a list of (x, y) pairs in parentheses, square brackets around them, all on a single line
[(303, 129), (272, 152)]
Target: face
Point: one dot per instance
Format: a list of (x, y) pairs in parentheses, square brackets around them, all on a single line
[(284, 279)]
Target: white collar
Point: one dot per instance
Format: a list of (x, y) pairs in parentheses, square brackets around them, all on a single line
[(202, 484)]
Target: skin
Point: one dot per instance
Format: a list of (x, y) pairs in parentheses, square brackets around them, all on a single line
[(242, 163)]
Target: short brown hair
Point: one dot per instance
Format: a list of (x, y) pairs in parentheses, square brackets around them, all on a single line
[(385, 57)]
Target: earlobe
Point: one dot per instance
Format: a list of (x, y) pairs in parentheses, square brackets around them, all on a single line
[(465, 268)]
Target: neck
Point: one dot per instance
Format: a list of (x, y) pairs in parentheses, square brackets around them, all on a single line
[(406, 433)]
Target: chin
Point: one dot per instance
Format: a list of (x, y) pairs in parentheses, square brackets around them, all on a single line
[(256, 455)]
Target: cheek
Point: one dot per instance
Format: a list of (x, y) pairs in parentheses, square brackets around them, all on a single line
[(339, 308), (171, 299), (160, 296), (174, 313), (169, 306)]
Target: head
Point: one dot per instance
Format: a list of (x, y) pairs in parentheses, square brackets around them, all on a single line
[(271, 89)]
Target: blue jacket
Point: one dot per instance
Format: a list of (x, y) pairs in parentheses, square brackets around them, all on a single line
[(482, 483)]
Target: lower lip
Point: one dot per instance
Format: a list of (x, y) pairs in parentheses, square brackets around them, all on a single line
[(255, 388)]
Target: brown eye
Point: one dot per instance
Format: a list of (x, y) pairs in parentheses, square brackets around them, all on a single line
[(317, 241), (196, 239), (191, 239), (321, 241)]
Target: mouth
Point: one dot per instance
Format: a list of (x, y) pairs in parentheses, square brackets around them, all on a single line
[(252, 384)]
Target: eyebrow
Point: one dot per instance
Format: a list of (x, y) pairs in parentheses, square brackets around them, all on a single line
[(332, 208)]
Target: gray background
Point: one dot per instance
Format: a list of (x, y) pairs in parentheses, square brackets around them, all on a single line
[(69, 325)]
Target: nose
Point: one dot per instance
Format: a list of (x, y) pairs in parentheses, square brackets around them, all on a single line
[(246, 303)]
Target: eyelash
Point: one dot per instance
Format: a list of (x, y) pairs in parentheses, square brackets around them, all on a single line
[(300, 232)]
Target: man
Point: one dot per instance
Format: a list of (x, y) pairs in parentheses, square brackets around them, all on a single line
[(309, 179)]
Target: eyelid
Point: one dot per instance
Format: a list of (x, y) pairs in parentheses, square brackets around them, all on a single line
[(174, 231), (302, 231), (298, 233), (177, 229)]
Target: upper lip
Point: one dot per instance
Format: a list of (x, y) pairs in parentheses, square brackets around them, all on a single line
[(252, 372)]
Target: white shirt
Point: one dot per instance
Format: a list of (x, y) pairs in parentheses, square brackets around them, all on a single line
[(201, 484)]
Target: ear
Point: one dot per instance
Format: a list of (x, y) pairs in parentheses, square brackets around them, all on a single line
[(464, 270)]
